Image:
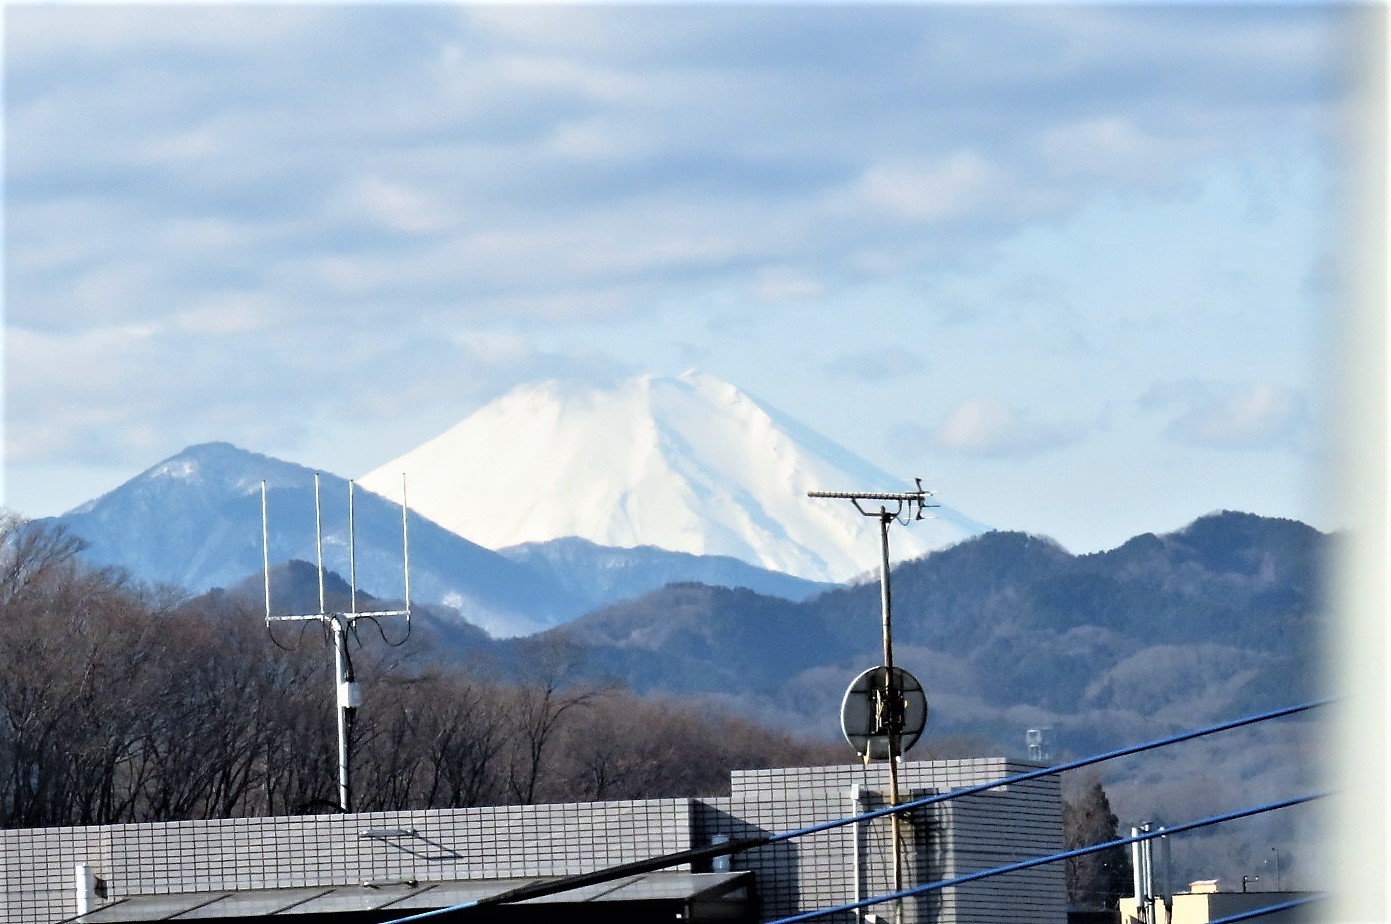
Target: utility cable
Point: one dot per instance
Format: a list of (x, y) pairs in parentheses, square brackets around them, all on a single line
[(1051, 858), (1269, 909), (566, 883)]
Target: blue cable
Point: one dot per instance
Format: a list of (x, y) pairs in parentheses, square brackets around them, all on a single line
[(1052, 858), (1268, 909), (743, 844)]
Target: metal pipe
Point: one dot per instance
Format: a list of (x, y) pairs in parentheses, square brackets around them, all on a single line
[(340, 651), (1137, 872), (856, 802), (265, 547), (319, 540), (893, 701), (406, 548), (352, 551)]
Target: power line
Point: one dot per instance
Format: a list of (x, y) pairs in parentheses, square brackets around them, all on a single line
[(728, 848), (1051, 858)]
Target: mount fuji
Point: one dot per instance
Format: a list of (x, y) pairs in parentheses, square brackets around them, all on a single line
[(687, 464)]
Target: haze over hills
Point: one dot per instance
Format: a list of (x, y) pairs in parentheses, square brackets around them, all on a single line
[(688, 464)]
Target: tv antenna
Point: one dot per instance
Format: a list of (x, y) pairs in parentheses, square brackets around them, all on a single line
[(340, 623), (884, 710)]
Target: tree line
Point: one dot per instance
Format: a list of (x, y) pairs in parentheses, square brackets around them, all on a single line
[(122, 703)]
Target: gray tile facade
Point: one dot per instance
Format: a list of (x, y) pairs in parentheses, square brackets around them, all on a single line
[(37, 867)]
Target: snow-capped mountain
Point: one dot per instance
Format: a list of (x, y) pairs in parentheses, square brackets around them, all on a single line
[(689, 464), (194, 521)]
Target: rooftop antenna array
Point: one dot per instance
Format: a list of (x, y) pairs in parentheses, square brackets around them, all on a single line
[(884, 710), (340, 624)]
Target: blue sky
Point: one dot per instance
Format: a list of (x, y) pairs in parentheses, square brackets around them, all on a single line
[(1075, 266)]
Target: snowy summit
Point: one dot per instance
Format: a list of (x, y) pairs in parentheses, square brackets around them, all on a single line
[(688, 464)]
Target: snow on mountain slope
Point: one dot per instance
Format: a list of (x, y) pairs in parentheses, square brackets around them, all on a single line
[(688, 464), (194, 521)]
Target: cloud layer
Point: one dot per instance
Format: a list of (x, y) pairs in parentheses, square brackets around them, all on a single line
[(262, 223)]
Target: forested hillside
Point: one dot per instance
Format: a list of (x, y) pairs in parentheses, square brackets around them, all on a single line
[(122, 704), (1008, 631)]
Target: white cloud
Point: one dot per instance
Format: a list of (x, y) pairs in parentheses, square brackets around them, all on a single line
[(1112, 147), (930, 191), (1224, 416), (988, 427), (397, 206), (785, 283), (261, 187)]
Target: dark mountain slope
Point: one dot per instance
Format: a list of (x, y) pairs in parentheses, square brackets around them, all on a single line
[(1007, 630)]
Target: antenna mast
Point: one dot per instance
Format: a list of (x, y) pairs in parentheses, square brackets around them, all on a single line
[(893, 693), (349, 690)]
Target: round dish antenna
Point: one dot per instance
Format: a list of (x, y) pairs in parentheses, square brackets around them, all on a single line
[(883, 713)]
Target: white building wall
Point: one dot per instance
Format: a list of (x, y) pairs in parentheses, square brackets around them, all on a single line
[(37, 867)]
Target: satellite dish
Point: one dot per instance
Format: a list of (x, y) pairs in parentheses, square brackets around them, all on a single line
[(883, 705)]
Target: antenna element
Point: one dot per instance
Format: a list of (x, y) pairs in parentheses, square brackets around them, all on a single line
[(885, 706), (349, 690)]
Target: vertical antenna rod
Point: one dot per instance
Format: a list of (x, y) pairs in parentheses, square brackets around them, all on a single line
[(319, 540), (265, 547), (406, 548), (905, 503), (352, 552), (349, 691)]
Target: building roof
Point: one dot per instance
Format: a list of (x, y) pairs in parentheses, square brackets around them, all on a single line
[(725, 893)]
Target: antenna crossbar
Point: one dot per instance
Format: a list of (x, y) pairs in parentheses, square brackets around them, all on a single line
[(857, 495), (360, 614)]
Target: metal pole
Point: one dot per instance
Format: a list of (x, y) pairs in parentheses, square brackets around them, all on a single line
[(352, 552), (319, 541), (893, 710), (884, 587), (265, 547), (340, 651), (406, 549)]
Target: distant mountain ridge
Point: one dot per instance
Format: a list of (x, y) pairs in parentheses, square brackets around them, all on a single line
[(1009, 630), (194, 521), (599, 574), (688, 464)]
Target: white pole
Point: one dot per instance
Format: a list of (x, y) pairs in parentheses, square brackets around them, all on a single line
[(265, 547), (344, 689), (319, 540), (86, 888)]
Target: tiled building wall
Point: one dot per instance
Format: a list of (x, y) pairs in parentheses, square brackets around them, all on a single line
[(940, 841), (37, 866)]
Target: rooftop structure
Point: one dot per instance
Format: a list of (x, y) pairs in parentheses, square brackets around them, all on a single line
[(379, 866)]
